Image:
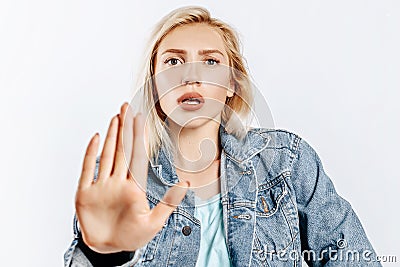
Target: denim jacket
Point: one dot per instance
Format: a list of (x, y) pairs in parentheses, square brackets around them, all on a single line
[(278, 206)]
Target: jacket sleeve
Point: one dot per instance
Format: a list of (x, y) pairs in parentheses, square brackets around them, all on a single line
[(78, 254), (331, 233)]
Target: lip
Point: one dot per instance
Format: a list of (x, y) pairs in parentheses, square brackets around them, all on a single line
[(190, 107)]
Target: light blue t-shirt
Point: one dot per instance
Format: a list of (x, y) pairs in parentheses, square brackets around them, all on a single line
[(213, 249)]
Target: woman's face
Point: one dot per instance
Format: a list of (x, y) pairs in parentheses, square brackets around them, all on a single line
[(192, 75)]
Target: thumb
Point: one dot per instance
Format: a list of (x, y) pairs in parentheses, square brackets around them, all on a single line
[(172, 198)]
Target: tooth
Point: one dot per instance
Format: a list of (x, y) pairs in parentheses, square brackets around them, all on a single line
[(191, 101)]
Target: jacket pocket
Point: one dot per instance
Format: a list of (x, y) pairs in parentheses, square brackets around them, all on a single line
[(152, 247), (276, 217)]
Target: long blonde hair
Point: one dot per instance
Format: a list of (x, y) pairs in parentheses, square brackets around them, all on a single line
[(236, 108)]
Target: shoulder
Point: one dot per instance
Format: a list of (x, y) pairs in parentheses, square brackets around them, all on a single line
[(277, 138), (285, 141), (259, 140)]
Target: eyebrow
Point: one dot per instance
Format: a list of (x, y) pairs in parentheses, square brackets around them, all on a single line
[(210, 51), (175, 51), (201, 52)]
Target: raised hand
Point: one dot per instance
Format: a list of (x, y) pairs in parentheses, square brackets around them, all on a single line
[(113, 211)]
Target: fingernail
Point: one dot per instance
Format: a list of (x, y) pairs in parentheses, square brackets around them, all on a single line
[(95, 137)]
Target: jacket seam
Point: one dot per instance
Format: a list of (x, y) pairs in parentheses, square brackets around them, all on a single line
[(295, 149)]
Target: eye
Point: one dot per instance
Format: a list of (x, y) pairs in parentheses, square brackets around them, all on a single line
[(212, 62), (173, 61)]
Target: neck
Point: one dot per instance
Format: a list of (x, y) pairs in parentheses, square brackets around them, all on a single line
[(197, 148)]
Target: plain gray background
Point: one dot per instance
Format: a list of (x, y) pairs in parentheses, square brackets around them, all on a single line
[(329, 71)]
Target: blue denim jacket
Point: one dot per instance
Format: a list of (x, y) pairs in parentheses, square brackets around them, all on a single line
[(278, 206)]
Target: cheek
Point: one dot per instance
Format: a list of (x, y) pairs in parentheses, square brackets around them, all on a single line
[(218, 93), (215, 100), (167, 102), (168, 80)]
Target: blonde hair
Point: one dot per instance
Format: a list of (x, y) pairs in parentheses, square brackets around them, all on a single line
[(236, 108)]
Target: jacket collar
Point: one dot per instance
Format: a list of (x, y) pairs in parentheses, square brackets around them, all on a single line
[(244, 149), (239, 150)]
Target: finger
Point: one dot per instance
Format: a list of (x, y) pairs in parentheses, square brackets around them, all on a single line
[(171, 199), (120, 166), (139, 164), (89, 163), (108, 153), (127, 135)]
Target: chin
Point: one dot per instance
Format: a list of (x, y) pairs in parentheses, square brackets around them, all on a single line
[(193, 123), (196, 123)]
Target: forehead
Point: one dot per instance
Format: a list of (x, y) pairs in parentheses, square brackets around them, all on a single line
[(196, 36)]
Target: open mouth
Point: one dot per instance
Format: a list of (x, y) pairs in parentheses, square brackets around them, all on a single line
[(191, 101)]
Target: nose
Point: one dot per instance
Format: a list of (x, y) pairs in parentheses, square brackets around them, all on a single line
[(191, 74)]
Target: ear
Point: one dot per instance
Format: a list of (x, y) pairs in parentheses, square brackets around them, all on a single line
[(231, 89)]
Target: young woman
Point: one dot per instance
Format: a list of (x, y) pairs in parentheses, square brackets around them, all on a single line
[(216, 192)]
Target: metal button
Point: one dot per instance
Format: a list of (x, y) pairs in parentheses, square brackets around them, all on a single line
[(246, 172), (186, 230)]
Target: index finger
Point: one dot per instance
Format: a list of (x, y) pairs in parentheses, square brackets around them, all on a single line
[(89, 162), (138, 168)]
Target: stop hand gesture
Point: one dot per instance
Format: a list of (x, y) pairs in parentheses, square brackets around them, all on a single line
[(113, 211)]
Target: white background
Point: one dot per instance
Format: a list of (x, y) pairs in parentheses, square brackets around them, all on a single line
[(328, 69)]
